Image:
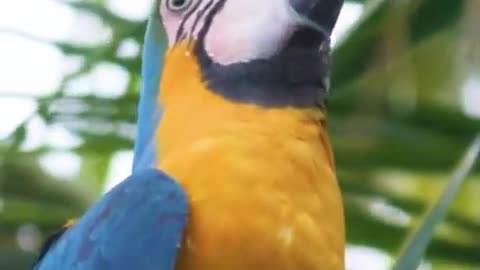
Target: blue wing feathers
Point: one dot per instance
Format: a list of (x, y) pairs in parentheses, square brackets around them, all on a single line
[(149, 111), (137, 225)]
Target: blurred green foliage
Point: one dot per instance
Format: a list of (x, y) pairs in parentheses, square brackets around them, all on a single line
[(395, 118)]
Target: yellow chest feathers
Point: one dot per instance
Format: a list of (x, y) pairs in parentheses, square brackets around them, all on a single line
[(261, 183)]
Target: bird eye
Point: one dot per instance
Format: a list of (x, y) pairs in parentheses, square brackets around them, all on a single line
[(178, 5)]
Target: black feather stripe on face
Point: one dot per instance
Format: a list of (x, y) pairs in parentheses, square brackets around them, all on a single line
[(181, 34), (200, 15), (200, 45)]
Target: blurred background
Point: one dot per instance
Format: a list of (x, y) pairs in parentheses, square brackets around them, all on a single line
[(405, 104)]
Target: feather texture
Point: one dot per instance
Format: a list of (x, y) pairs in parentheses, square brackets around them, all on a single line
[(149, 113), (137, 225), (260, 181)]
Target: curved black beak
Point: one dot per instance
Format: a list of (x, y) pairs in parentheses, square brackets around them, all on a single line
[(321, 14)]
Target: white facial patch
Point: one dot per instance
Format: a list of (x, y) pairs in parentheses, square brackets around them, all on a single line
[(249, 29), (172, 20), (243, 30)]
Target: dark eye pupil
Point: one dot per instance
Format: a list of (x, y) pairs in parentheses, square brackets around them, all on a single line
[(178, 3)]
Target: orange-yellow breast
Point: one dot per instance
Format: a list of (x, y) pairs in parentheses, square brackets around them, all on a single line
[(261, 183)]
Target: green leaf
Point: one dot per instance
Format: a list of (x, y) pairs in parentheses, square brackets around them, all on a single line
[(354, 54), (417, 243)]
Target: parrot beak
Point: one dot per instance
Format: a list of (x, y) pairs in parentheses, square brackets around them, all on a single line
[(320, 15)]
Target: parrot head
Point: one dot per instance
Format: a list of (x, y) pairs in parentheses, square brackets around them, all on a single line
[(267, 53), (270, 52), (239, 31)]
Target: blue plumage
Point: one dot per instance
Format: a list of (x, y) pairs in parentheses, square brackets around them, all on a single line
[(137, 225), (149, 112)]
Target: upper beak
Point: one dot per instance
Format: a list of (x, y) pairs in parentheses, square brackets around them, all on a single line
[(319, 14)]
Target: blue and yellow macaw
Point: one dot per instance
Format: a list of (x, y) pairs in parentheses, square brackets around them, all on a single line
[(233, 168)]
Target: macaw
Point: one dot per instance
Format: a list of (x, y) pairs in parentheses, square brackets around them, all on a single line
[(233, 168)]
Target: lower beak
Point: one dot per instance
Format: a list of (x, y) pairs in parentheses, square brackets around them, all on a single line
[(320, 14)]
